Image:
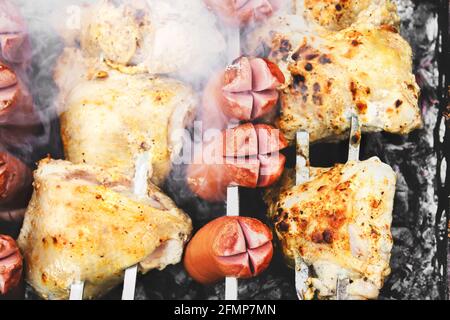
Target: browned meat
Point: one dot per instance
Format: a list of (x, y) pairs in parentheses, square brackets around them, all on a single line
[(10, 265)]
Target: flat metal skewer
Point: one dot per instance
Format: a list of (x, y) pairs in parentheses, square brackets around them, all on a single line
[(342, 282), (76, 290), (231, 284), (234, 52), (355, 139), (302, 175), (140, 188)]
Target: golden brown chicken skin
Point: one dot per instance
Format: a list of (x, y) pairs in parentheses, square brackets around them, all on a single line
[(339, 224), (364, 69), (85, 224)]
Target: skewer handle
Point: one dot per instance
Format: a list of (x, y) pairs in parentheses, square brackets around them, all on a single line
[(231, 284)]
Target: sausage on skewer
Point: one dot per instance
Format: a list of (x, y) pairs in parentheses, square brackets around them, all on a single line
[(238, 247)]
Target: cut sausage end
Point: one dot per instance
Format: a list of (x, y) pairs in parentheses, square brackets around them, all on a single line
[(205, 263)]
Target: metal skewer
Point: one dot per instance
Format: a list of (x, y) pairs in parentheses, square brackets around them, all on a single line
[(342, 282), (231, 284), (302, 175), (355, 139), (76, 290), (234, 51), (140, 189)]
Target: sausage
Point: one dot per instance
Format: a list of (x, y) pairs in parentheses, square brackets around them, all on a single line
[(15, 44), (212, 115), (245, 91), (246, 156), (241, 141), (269, 139), (238, 76), (238, 247), (209, 181), (10, 265), (271, 168), (265, 75), (7, 77), (15, 180), (241, 12), (16, 103)]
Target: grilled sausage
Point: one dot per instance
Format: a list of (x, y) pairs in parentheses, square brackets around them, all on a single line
[(246, 156), (10, 265), (244, 91), (16, 103), (229, 247), (241, 12), (15, 180), (14, 41)]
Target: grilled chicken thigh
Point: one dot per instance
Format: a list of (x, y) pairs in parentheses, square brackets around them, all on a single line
[(339, 224), (154, 36), (363, 69), (85, 224), (109, 118), (340, 14)]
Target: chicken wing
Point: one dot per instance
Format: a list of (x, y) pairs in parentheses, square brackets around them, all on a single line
[(339, 224), (84, 224), (363, 69)]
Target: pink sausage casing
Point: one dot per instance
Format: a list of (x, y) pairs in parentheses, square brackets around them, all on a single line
[(10, 265), (246, 90), (238, 247), (246, 156)]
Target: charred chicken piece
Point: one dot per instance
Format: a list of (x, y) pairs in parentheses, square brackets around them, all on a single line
[(85, 224), (109, 120), (339, 223), (10, 266), (365, 69)]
